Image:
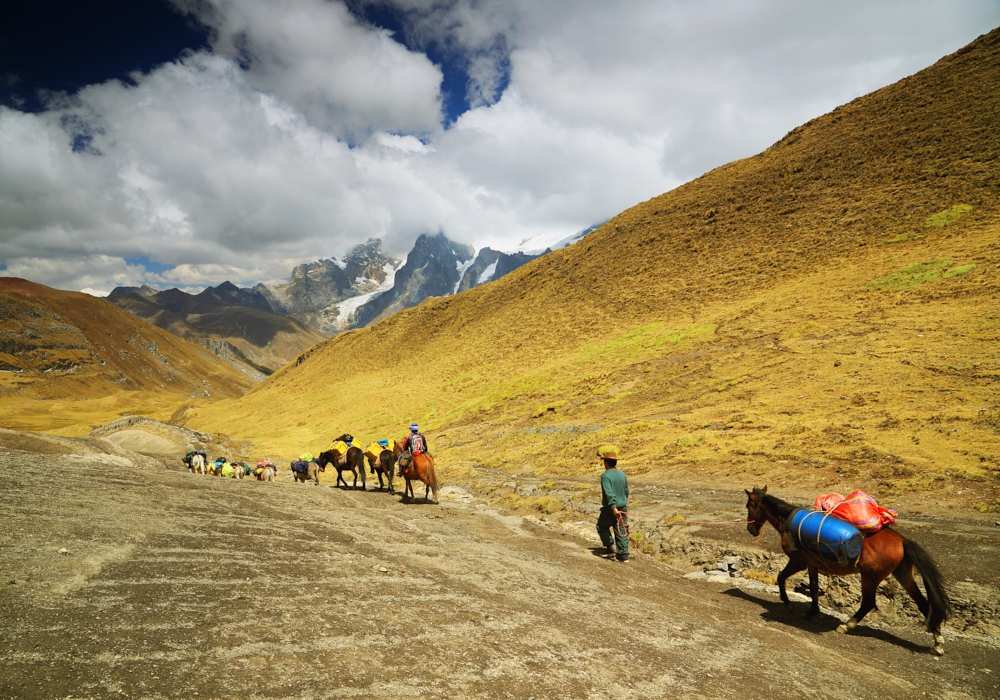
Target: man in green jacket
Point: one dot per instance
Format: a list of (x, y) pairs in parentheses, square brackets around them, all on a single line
[(614, 505)]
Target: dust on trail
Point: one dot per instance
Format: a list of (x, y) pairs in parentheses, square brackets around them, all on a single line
[(178, 585)]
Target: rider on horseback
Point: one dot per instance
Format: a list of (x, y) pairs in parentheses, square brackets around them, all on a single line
[(414, 444)]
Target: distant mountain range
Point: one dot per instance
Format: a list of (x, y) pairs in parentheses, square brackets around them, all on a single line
[(237, 324), (269, 325)]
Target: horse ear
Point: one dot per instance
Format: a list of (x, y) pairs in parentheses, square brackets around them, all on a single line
[(764, 490), (746, 492)]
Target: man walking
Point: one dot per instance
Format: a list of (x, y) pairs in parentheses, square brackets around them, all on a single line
[(614, 505)]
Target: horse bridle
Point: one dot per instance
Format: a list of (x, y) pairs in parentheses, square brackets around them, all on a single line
[(756, 512)]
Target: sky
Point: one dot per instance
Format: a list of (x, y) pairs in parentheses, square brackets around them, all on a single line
[(189, 142)]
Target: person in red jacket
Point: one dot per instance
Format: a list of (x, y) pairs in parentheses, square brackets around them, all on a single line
[(414, 444)]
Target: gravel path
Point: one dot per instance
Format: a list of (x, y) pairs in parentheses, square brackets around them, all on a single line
[(181, 586)]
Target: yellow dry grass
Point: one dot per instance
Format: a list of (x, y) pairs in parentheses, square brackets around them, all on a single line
[(823, 314)]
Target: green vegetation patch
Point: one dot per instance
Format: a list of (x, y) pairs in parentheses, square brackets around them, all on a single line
[(958, 270), (646, 339), (948, 216), (911, 275), (688, 441)]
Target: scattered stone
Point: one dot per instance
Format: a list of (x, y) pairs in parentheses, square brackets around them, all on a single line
[(733, 562), (836, 363), (718, 577), (383, 569), (64, 551), (722, 566), (696, 576)]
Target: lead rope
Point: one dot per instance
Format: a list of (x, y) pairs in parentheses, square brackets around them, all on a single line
[(621, 528)]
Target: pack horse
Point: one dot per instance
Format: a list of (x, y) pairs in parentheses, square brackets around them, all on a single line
[(345, 457), (880, 554)]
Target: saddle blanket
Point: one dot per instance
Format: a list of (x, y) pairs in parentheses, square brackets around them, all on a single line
[(859, 509), (300, 467)]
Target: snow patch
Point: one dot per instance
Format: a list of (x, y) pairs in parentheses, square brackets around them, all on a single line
[(346, 308), (462, 267), (94, 292), (488, 273), (556, 243)]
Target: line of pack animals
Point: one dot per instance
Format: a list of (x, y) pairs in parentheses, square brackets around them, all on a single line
[(382, 456)]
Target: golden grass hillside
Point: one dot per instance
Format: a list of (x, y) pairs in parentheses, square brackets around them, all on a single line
[(823, 313), (70, 362)]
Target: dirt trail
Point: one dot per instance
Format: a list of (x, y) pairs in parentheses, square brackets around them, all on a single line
[(186, 586)]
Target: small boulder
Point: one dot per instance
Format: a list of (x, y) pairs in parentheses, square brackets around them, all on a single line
[(696, 576)]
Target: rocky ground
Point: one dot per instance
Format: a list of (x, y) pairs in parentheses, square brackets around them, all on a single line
[(124, 578)]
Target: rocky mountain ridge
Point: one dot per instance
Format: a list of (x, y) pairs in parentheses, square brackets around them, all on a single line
[(239, 325)]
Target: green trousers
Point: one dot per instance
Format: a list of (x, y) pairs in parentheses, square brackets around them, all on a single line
[(607, 525)]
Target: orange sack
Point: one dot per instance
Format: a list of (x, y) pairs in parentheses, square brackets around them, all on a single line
[(859, 509)]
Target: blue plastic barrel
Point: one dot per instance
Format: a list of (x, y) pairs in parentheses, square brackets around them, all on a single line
[(831, 538)]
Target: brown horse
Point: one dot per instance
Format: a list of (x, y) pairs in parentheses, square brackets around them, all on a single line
[(882, 553), (383, 464), (419, 468), (353, 461)]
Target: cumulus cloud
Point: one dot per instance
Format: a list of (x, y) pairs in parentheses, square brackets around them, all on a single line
[(304, 130), (339, 74)]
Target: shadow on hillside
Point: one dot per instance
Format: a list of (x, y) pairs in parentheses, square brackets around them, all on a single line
[(775, 611)]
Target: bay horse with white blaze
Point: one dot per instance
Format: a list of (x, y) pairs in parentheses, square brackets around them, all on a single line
[(420, 468), (882, 553)]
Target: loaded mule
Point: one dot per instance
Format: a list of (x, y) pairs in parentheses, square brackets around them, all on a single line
[(382, 461), (196, 463), (351, 460), (305, 471), (882, 553)]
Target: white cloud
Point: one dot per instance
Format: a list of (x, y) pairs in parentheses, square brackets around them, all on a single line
[(313, 54), (329, 132)]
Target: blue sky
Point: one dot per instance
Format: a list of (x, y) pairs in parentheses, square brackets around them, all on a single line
[(187, 142)]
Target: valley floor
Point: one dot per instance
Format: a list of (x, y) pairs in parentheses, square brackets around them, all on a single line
[(181, 586)]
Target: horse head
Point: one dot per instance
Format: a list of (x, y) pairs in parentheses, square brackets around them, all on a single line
[(397, 447), (756, 515)]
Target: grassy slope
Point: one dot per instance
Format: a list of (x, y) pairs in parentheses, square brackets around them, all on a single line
[(808, 315), (74, 362)]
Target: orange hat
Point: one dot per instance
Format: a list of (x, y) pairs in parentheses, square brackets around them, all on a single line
[(607, 452)]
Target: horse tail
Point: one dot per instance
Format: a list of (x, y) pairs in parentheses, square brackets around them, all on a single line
[(933, 583), (432, 478)]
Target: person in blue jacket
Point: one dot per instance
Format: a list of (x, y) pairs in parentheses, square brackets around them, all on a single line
[(612, 523)]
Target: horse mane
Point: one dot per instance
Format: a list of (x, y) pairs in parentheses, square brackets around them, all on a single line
[(779, 507)]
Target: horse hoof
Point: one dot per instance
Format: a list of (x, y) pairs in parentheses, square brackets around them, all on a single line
[(939, 650), (842, 629)]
